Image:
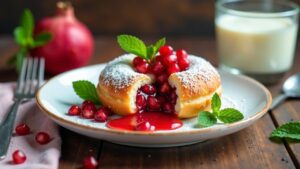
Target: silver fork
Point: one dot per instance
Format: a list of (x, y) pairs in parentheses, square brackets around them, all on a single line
[(30, 79)]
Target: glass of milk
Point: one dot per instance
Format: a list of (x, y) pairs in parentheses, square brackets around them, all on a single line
[(256, 37)]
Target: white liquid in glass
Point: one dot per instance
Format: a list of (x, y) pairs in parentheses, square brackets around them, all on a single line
[(256, 45)]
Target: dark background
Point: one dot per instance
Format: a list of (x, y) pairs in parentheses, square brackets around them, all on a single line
[(111, 17)]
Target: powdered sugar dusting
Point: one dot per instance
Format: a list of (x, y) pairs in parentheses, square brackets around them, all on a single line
[(118, 72), (199, 70), (236, 103), (228, 103)]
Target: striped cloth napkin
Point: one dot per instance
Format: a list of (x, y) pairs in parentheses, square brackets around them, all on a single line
[(38, 156)]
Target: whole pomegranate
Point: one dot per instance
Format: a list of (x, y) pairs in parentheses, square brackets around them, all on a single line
[(71, 45)]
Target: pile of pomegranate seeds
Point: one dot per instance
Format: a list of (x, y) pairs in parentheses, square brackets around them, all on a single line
[(164, 99), (88, 110), (167, 62), (160, 96), (90, 162), (18, 157)]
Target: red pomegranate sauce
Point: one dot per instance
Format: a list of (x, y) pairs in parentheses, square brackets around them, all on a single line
[(157, 121)]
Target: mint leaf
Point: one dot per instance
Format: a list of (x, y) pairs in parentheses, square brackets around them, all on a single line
[(216, 103), (27, 23), (206, 119), (227, 115), (289, 130), (230, 115), (151, 52), (132, 44), (159, 44), (20, 36), (23, 35), (41, 39), (86, 90)]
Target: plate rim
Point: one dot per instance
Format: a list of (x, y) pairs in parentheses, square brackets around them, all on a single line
[(54, 117)]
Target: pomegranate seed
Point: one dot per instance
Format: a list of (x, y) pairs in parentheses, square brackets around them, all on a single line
[(153, 103), (107, 111), (157, 68), (159, 58), (88, 104), (74, 110), (42, 138), (90, 162), (139, 119), (182, 58), (22, 129), (161, 99), (18, 157), (166, 50), (173, 97), (101, 115), (183, 63), (142, 68), (140, 101), (173, 69), (140, 65), (162, 78), (165, 88), (138, 60), (88, 113), (144, 126), (148, 89), (181, 54), (168, 108), (169, 60)]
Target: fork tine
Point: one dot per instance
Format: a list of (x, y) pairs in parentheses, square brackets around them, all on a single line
[(33, 80), (21, 79), (28, 76), (41, 72)]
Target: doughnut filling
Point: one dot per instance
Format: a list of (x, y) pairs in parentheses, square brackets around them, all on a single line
[(183, 93)]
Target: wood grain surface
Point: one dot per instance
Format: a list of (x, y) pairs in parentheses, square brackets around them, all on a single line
[(247, 149)]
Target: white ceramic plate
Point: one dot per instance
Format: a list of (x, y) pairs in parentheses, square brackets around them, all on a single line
[(243, 93)]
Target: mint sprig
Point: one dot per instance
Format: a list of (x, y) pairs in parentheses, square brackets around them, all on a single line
[(227, 115), (134, 45), (206, 119), (86, 90), (216, 103), (23, 35), (159, 44), (289, 130)]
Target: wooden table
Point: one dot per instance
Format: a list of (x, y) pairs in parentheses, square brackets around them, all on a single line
[(249, 148)]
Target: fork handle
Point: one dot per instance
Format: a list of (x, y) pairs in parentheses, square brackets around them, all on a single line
[(6, 129)]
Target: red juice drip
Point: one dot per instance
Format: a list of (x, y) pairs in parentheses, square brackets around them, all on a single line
[(161, 121)]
